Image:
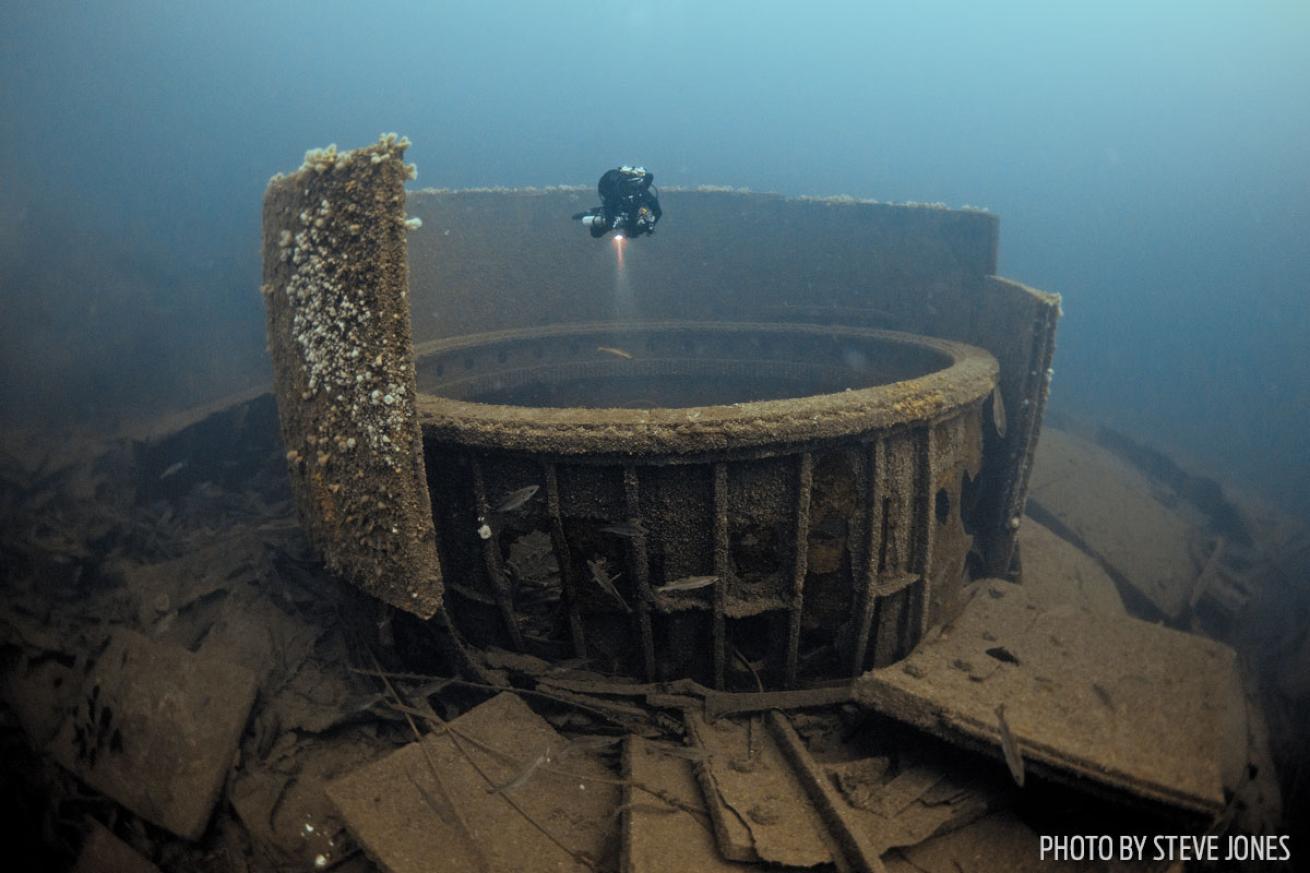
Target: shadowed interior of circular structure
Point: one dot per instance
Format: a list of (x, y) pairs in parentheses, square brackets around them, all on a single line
[(676, 387), (669, 366)]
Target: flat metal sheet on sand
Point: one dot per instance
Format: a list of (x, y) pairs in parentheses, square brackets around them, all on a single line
[(157, 729), (487, 804), (1127, 705)]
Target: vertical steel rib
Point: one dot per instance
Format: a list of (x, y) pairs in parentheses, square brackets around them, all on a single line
[(564, 559), (873, 535), (639, 566), (925, 529), (491, 558), (721, 568), (800, 566)]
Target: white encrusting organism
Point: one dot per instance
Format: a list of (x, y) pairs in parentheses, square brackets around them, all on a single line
[(332, 319)]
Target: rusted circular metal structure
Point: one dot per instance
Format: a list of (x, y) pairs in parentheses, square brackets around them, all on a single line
[(711, 498), (566, 488)]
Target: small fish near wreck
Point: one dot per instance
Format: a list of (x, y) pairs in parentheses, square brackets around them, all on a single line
[(523, 776), (627, 529), (687, 583), (605, 582), (616, 352), (173, 469), (516, 500)]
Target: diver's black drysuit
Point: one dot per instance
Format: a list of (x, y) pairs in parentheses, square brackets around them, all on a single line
[(629, 204)]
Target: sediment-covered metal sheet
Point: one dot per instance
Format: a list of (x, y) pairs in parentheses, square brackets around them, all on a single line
[(1098, 699), (155, 728), (500, 802), (336, 288)]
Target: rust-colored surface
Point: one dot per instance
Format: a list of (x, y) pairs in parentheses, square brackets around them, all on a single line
[(335, 284), (755, 799), (945, 376), (831, 515), (833, 507)]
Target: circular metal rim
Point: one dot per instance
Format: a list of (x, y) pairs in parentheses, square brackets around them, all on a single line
[(969, 378)]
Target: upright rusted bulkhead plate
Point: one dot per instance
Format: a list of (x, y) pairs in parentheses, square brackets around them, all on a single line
[(335, 284)]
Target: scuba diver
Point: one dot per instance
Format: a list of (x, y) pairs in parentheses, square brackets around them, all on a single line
[(629, 205)]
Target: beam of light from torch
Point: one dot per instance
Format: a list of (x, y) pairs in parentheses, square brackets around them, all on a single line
[(623, 302)]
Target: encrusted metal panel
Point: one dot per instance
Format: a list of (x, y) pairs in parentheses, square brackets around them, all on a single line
[(956, 457), (336, 291)]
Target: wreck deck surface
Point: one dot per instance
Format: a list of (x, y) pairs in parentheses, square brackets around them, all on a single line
[(223, 571)]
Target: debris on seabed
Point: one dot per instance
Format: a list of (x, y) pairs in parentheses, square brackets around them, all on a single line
[(1010, 747)]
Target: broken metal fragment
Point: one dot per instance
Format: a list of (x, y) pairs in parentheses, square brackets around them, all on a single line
[(1010, 746), (859, 851), (759, 807), (721, 703), (158, 730), (560, 819), (666, 828), (1175, 733)]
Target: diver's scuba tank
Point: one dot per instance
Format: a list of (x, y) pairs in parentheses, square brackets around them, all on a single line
[(596, 223)]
